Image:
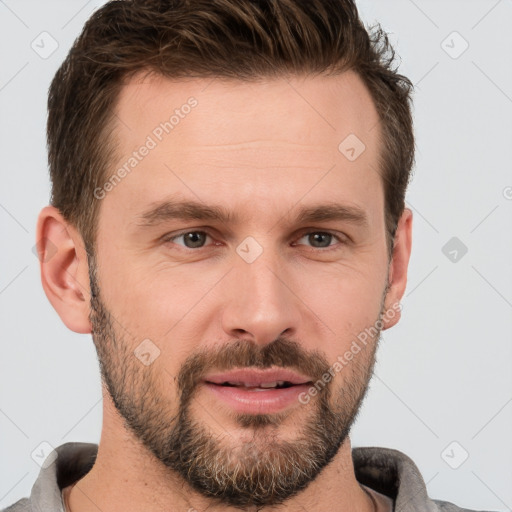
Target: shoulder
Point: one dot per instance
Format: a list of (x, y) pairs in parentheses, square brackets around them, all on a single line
[(66, 464), (394, 474), (22, 505), (446, 506)]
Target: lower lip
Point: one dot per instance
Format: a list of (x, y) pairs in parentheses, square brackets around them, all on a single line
[(258, 402)]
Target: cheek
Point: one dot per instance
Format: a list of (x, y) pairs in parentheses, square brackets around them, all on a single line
[(159, 302), (348, 302), (346, 296)]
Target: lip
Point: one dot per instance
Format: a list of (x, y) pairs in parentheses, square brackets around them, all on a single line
[(250, 401), (255, 377)]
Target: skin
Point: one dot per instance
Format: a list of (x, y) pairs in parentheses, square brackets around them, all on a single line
[(261, 150)]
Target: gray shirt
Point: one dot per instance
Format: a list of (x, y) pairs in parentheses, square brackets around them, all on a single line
[(387, 471)]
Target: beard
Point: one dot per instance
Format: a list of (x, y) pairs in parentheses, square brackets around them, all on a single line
[(262, 470)]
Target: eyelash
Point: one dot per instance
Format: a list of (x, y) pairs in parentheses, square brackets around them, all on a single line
[(343, 239)]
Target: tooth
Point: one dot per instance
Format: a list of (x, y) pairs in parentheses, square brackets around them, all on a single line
[(270, 384), (264, 385)]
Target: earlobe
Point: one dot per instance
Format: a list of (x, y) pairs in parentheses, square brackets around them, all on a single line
[(64, 269), (398, 270)]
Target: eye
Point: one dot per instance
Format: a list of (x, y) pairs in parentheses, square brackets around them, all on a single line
[(322, 239), (197, 239), (191, 239)]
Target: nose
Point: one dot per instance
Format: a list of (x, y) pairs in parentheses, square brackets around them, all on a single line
[(261, 304)]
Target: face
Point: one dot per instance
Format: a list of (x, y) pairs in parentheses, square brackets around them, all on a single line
[(280, 263)]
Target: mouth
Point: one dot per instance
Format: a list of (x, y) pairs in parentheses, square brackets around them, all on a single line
[(258, 391), (281, 384), (256, 378)]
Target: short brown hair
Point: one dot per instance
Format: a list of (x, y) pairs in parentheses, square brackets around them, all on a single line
[(240, 39)]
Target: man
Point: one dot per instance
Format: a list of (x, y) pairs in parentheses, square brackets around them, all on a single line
[(228, 182)]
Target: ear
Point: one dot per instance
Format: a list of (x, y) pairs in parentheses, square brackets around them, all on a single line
[(64, 269), (398, 270)]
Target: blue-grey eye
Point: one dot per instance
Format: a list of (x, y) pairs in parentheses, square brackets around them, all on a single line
[(192, 239), (319, 239)]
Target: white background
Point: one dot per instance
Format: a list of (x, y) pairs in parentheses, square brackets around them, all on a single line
[(443, 374)]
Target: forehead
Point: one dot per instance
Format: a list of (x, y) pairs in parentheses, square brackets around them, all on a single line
[(309, 110), (237, 141)]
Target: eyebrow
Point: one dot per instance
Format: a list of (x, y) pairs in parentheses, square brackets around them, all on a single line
[(192, 210), (184, 210)]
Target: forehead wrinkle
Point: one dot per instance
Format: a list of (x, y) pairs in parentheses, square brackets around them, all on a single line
[(271, 156), (258, 143)]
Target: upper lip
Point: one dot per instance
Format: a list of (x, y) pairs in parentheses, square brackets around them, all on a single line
[(253, 377)]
